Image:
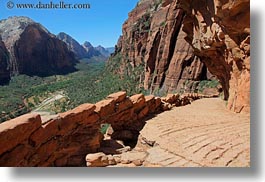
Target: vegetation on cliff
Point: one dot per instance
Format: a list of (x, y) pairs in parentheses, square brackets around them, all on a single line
[(181, 43)]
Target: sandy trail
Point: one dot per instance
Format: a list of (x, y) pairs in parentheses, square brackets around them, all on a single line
[(204, 133), (46, 115), (48, 101)]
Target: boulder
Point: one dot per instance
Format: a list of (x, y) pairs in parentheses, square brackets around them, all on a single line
[(124, 105), (97, 160), (18, 131), (118, 97), (105, 108), (138, 102), (135, 157)]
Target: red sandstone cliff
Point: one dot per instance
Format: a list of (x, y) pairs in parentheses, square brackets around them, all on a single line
[(219, 32), (180, 41)]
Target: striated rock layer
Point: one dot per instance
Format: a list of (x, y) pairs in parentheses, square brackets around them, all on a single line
[(219, 32), (153, 39), (180, 41), (33, 50)]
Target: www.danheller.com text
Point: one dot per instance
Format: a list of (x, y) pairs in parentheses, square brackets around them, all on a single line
[(47, 5)]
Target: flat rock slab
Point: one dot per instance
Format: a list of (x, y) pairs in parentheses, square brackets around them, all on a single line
[(133, 157), (204, 134)]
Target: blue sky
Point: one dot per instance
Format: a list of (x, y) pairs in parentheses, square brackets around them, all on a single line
[(100, 25)]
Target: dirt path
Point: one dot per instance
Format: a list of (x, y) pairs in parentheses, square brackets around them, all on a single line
[(46, 115), (201, 134), (49, 100)]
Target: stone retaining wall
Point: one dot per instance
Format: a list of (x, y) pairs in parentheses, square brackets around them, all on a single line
[(68, 138)]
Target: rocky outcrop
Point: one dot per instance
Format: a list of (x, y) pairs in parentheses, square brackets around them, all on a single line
[(91, 51), (83, 51), (219, 32), (103, 51), (66, 139), (73, 45), (33, 50), (4, 70), (153, 39), (176, 42)]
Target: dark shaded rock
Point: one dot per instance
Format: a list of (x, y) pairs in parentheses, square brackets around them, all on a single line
[(91, 51), (103, 51), (73, 45), (4, 70), (33, 49), (86, 53)]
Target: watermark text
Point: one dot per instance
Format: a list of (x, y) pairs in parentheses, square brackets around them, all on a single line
[(47, 5)]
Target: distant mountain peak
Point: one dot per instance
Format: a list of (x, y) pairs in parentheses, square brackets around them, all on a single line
[(15, 25), (29, 48), (18, 19), (100, 46), (87, 44), (103, 50), (85, 51), (72, 45)]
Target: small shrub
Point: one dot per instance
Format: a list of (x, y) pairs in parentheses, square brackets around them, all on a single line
[(104, 128), (207, 84)]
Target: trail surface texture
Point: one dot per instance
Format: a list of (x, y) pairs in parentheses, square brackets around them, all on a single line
[(203, 134)]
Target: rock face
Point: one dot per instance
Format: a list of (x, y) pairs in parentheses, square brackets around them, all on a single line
[(33, 50), (176, 42), (73, 45), (219, 32), (83, 51), (103, 51), (91, 51), (153, 39), (4, 70)]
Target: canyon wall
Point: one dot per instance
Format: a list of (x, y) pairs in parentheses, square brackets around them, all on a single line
[(178, 43), (4, 70), (153, 38), (33, 50), (65, 140), (219, 32), (72, 45), (83, 51)]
